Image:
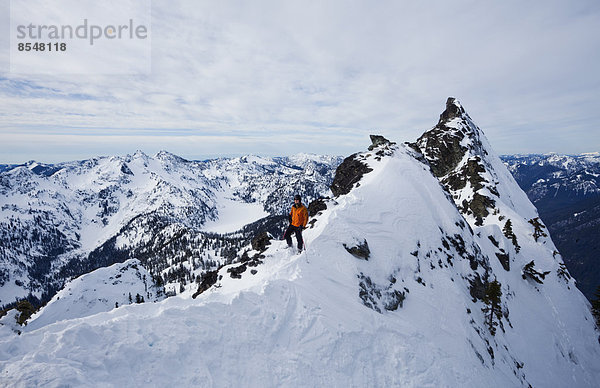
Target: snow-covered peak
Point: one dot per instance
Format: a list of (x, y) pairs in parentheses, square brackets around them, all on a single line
[(170, 157), (398, 242), (139, 154), (591, 156), (304, 158), (454, 137), (550, 178)]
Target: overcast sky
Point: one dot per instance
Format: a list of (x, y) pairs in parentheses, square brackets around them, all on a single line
[(283, 77)]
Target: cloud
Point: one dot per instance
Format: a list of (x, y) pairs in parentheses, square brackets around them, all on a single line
[(290, 74)]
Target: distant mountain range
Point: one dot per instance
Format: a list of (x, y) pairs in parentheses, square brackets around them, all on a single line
[(566, 191), (60, 221), (56, 216)]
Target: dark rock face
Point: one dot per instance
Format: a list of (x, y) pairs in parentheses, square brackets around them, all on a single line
[(236, 272), (26, 309), (316, 206), (208, 279), (445, 150), (126, 170), (468, 173), (378, 140), (260, 242), (452, 111), (347, 174), (352, 169), (477, 288), (395, 299), (360, 251), (479, 206), (441, 145), (454, 150), (504, 259)]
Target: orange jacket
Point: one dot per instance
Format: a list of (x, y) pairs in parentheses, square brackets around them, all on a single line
[(299, 215)]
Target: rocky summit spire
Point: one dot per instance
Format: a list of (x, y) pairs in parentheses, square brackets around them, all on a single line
[(453, 110), (446, 144), (462, 159)]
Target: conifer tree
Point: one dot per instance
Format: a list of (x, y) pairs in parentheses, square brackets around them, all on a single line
[(537, 228), (562, 272), (26, 309), (492, 309), (508, 232), (529, 271)]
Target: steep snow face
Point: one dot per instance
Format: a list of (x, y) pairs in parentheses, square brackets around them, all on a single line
[(566, 191), (507, 226), (486, 193), (408, 315)]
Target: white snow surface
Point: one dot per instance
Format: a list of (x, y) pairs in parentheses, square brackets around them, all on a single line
[(101, 290), (299, 321), (232, 214)]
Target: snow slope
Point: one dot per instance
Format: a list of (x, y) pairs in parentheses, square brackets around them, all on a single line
[(404, 317), (233, 215), (566, 191), (101, 290)]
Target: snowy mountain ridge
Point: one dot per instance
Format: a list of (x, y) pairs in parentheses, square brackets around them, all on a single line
[(395, 288)]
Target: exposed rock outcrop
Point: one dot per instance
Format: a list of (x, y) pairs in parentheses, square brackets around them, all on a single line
[(378, 140), (360, 251), (260, 242), (208, 279), (347, 174), (351, 170), (454, 150), (316, 206)]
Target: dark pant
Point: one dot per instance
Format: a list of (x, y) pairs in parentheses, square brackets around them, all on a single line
[(288, 235)]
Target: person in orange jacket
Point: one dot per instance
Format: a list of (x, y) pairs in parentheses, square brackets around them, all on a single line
[(298, 218)]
